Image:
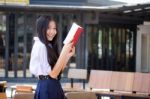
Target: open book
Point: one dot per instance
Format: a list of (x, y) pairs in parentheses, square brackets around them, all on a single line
[(73, 34)]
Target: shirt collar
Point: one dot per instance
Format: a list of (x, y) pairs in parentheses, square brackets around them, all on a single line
[(36, 38)]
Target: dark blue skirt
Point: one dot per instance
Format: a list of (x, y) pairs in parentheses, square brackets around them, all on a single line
[(49, 89)]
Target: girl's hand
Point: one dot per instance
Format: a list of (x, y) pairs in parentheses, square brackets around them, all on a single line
[(68, 50), (72, 52)]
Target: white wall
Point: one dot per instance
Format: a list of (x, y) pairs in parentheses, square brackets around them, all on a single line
[(143, 49)]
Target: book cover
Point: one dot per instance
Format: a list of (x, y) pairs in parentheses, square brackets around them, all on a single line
[(73, 34)]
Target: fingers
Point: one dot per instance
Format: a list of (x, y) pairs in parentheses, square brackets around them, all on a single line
[(71, 41), (73, 49), (72, 52), (69, 45)]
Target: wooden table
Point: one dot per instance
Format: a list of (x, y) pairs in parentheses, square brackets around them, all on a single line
[(3, 96)]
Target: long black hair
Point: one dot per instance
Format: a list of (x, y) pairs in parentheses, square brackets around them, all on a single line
[(51, 46)]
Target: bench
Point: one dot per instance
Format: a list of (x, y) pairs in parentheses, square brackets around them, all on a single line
[(120, 85)]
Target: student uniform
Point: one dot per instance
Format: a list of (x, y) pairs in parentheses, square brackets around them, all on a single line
[(47, 87)]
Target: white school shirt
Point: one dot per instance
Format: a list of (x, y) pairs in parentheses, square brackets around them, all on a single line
[(38, 62)]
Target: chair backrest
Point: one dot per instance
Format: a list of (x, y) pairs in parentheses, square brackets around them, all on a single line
[(100, 79), (24, 96), (141, 83), (122, 81), (77, 73), (81, 95)]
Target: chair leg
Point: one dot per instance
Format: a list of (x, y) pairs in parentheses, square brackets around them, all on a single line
[(71, 83), (83, 84)]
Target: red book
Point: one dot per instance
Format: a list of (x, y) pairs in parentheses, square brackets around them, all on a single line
[(73, 34)]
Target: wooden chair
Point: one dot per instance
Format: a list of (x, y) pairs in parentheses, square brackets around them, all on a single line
[(122, 85), (77, 74), (141, 83), (81, 95), (100, 79), (122, 81), (140, 88), (100, 82), (24, 96)]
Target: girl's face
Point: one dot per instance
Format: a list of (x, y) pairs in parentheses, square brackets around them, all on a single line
[(51, 30)]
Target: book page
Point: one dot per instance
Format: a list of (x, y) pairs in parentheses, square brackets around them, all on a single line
[(73, 34)]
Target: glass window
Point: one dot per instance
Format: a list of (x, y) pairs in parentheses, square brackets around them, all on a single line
[(111, 47)]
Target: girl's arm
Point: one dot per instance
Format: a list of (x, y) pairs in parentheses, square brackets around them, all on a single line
[(73, 50), (66, 53)]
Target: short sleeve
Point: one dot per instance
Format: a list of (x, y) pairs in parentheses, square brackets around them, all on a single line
[(38, 62)]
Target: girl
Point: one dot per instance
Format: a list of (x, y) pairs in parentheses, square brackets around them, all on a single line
[(45, 63)]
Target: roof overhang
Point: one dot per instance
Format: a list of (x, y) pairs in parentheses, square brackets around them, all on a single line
[(139, 11)]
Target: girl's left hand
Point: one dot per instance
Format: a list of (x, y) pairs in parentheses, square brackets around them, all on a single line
[(68, 50), (72, 51)]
